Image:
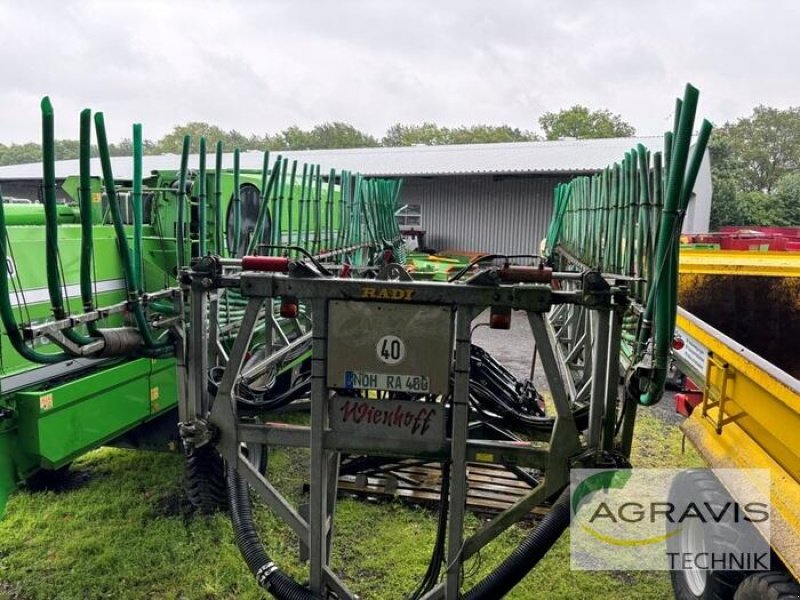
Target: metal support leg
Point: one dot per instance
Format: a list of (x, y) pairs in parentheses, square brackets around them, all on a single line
[(588, 343), (597, 403), (212, 347), (184, 406), (333, 490), (612, 380), (628, 425), (458, 469), (224, 412), (197, 353), (318, 505)]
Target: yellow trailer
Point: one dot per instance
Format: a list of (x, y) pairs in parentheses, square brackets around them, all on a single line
[(748, 410)]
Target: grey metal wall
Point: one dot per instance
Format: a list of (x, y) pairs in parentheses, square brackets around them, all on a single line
[(502, 214)]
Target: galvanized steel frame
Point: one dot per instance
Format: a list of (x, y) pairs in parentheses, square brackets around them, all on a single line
[(566, 449)]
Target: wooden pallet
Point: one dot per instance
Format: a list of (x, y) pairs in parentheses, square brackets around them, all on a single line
[(491, 488)]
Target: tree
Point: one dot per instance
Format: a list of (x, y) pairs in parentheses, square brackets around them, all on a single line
[(755, 169), (488, 134), (431, 134), (340, 135), (67, 149), (17, 154), (173, 141), (726, 208), (580, 122), (766, 145), (787, 200), (325, 136)]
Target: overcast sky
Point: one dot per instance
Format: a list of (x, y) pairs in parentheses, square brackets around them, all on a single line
[(262, 66)]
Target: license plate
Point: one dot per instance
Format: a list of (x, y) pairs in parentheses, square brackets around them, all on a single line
[(359, 380)]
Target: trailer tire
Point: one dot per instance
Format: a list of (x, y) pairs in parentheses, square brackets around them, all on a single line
[(50, 479), (769, 585), (204, 480), (696, 584)]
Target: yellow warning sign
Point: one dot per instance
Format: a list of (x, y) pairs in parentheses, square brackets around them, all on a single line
[(46, 402), (155, 405)]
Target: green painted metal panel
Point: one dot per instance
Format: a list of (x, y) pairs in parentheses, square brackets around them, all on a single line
[(63, 422)]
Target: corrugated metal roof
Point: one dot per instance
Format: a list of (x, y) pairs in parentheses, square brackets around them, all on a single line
[(557, 157)]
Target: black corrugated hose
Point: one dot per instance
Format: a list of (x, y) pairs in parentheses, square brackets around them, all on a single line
[(269, 577), (519, 563), (435, 566), (493, 587)]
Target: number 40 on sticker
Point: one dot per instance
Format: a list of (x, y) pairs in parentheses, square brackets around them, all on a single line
[(390, 349)]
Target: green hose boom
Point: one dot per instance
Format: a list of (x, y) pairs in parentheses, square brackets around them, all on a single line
[(626, 220), (54, 279), (85, 202)]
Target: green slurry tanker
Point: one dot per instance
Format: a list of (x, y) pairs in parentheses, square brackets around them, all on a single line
[(89, 348), (176, 310)]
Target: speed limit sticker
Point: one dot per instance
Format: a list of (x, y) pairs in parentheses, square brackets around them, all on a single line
[(390, 349)]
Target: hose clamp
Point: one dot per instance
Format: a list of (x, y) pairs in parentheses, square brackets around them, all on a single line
[(264, 573)]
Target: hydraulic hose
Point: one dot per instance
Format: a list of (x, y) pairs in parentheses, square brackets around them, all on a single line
[(526, 556), (237, 207), (201, 202), (268, 575), (85, 204), (180, 243), (290, 215), (330, 200), (136, 201), (54, 281), (218, 245), (7, 313), (437, 556), (263, 204), (134, 301), (263, 210), (289, 203)]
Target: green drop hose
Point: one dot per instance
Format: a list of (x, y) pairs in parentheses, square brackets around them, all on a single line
[(218, 244), (54, 281), (136, 201), (180, 232), (201, 202), (237, 207), (85, 207), (160, 346)]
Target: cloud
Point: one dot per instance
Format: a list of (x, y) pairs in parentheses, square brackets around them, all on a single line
[(262, 66)]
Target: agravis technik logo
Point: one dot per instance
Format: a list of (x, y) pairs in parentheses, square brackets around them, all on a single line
[(656, 519)]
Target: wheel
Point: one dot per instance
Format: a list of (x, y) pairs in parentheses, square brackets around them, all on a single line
[(695, 583), (769, 585), (204, 480), (50, 479)]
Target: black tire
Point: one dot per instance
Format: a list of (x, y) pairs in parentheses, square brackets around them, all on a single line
[(205, 483), (769, 585), (695, 584), (204, 480), (50, 479)]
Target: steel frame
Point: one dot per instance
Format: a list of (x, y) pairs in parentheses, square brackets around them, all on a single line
[(595, 335)]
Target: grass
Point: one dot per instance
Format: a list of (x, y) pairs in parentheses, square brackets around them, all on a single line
[(125, 532)]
